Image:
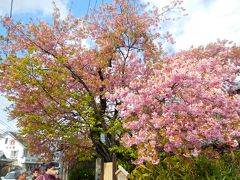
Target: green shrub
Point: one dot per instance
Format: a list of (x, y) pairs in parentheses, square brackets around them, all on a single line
[(207, 166), (82, 171), (169, 168)]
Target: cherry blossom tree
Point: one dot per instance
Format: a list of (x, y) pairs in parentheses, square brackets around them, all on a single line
[(189, 102), (58, 84)]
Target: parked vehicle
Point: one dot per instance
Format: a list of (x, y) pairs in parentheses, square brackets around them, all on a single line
[(12, 175)]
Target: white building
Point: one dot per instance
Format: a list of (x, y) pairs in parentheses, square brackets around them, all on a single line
[(15, 150)]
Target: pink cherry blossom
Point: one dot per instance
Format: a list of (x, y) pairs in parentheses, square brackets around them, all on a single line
[(184, 103)]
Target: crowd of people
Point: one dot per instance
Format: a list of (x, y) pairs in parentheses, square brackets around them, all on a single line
[(50, 173)]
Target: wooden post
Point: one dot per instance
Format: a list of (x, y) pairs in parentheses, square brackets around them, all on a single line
[(114, 167), (102, 169), (98, 169)]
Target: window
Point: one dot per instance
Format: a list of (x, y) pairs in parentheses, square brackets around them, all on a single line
[(25, 153), (13, 154), (6, 140)]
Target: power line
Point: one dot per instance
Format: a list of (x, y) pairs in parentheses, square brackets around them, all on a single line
[(95, 4), (2, 131), (7, 126), (89, 2)]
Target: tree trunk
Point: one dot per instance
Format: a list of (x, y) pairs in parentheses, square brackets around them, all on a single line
[(101, 148)]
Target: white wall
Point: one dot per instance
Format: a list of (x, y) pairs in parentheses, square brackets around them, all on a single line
[(21, 155), (12, 148)]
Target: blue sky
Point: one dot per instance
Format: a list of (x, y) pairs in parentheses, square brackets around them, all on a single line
[(207, 21)]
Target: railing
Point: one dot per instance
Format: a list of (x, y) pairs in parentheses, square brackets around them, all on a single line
[(30, 160)]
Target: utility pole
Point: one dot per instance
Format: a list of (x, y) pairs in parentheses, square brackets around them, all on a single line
[(11, 9)]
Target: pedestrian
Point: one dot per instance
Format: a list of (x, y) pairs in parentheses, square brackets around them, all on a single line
[(35, 173), (22, 176), (57, 176), (50, 172)]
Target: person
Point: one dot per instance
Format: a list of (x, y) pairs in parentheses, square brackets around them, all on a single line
[(50, 172), (35, 174), (22, 176), (57, 176)]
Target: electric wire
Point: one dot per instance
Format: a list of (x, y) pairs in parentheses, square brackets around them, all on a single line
[(95, 4), (2, 131), (89, 3), (7, 126)]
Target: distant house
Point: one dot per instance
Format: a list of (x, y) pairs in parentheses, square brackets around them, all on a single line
[(13, 149)]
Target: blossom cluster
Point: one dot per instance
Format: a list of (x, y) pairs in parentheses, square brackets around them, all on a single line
[(185, 104)]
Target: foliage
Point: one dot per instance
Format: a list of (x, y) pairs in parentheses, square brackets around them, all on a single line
[(189, 102), (58, 84), (83, 171), (182, 168), (125, 156), (169, 168)]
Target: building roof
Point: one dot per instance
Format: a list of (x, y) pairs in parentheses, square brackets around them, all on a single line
[(3, 158), (2, 155)]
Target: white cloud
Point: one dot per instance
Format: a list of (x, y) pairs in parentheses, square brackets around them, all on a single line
[(207, 21), (37, 7)]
